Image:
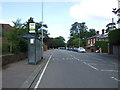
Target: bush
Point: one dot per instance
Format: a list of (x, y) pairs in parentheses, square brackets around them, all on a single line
[(103, 45), (5, 48), (114, 37)]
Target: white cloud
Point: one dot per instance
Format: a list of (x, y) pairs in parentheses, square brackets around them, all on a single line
[(40, 0), (56, 30), (89, 8), (94, 11), (12, 19), (5, 22)]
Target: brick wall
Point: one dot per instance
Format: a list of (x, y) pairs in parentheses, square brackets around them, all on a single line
[(6, 59)]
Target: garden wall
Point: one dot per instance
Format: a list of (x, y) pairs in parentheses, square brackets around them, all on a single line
[(10, 58)]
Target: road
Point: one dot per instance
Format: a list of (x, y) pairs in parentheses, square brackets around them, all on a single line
[(68, 69)]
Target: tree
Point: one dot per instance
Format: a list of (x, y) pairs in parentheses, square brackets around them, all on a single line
[(117, 12), (110, 26), (91, 32), (17, 44), (74, 42), (79, 30), (55, 42), (59, 42)]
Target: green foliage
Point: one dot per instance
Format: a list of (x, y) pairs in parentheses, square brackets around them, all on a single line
[(74, 42), (18, 44), (5, 47), (114, 37), (55, 42), (110, 26), (79, 30), (103, 45), (59, 42)]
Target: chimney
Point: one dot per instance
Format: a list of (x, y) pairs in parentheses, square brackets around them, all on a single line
[(103, 31), (97, 32)]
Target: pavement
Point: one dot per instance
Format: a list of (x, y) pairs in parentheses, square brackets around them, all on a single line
[(21, 74)]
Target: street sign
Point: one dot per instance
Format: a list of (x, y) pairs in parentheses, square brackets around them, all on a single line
[(31, 27)]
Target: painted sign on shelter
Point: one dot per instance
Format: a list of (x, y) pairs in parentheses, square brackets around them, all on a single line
[(31, 27)]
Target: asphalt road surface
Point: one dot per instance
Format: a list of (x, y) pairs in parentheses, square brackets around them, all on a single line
[(68, 69)]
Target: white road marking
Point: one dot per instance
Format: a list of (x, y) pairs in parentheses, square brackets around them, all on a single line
[(92, 63), (110, 70), (103, 64), (113, 63), (115, 79), (76, 58), (84, 62), (92, 67), (39, 80)]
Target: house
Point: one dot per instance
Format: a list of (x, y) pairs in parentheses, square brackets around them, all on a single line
[(5, 27), (98, 37)]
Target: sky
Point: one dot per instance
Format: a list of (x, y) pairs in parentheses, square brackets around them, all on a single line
[(59, 15)]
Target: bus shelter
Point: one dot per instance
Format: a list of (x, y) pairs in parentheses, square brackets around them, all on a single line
[(34, 48)]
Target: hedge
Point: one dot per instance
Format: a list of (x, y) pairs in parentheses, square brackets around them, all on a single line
[(114, 37), (103, 45)]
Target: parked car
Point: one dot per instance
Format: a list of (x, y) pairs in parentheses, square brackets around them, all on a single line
[(75, 49), (81, 50)]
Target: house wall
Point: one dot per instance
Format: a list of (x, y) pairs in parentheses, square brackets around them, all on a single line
[(92, 42)]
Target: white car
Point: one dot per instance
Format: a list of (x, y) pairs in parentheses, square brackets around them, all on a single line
[(81, 50)]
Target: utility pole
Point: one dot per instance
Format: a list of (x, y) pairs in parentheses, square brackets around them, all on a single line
[(42, 30), (79, 34), (79, 38)]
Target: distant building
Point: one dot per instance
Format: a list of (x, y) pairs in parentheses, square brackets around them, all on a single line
[(98, 37)]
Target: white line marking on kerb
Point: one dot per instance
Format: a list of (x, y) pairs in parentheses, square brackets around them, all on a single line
[(115, 79), (92, 67), (38, 82)]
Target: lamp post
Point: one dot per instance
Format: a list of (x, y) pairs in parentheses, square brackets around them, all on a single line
[(79, 34), (42, 28), (42, 31), (79, 38)]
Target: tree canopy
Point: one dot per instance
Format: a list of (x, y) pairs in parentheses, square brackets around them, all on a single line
[(79, 32)]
